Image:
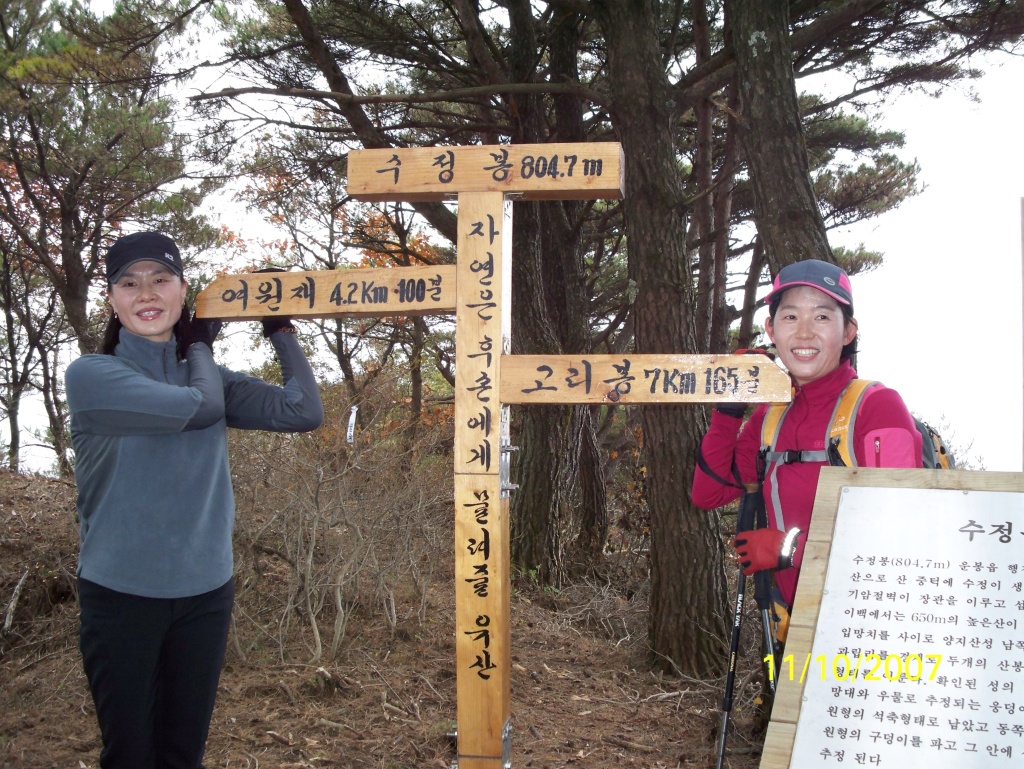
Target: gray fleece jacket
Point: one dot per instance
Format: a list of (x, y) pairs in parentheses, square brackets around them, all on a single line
[(155, 503)]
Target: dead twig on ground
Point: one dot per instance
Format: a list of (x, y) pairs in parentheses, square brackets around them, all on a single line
[(9, 618), (621, 742)]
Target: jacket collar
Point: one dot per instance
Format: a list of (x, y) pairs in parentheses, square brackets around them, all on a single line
[(828, 387), (150, 356)]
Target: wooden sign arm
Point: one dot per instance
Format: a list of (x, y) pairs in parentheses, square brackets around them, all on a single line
[(631, 379), (358, 292)]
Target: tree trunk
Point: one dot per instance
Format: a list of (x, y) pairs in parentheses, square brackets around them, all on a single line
[(540, 502), (725, 182), (565, 250), (11, 355), (745, 337), (787, 215), (702, 225), (549, 313), (56, 412), (14, 423), (688, 587), (418, 334)]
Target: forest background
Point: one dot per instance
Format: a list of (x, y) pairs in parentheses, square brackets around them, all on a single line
[(132, 118)]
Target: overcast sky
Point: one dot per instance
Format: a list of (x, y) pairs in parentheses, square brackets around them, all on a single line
[(941, 320)]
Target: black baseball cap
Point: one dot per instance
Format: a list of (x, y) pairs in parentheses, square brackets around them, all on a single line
[(139, 247)]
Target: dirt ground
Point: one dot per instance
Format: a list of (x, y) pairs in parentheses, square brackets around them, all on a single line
[(583, 693)]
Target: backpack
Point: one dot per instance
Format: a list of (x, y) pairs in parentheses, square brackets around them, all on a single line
[(839, 442)]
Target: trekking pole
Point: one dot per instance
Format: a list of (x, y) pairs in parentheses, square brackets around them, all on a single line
[(763, 599), (744, 521), (763, 583)]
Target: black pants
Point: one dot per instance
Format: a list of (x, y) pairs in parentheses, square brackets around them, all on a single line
[(153, 666)]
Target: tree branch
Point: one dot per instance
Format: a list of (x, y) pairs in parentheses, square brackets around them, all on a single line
[(700, 82), (455, 94)]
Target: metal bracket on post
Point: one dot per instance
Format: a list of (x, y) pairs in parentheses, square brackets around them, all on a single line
[(506, 745), (505, 469)]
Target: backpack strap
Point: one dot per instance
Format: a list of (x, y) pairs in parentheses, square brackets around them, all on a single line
[(839, 447), (772, 423), (770, 458), (770, 429), (841, 452), (702, 463)]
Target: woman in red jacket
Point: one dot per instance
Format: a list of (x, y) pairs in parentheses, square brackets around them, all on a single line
[(812, 326)]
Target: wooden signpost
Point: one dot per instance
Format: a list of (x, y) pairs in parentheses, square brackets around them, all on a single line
[(484, 180)]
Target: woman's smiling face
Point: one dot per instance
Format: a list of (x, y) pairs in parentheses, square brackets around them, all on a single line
[(809, 332), (148, 297)]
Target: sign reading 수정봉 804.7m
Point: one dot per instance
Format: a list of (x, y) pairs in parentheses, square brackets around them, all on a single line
[(530, 171), (916, 657)]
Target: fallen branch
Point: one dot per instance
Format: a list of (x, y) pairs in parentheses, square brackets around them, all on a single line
[(665, 696), (280, 738), (9, 619), (336, 725), (287, 692), (624, 743)]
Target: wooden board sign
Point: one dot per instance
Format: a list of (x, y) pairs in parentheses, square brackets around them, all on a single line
[(582, 171), (906, 644), (634, 379), (482, 552), (482, 608), (482, 327), (345, 293)]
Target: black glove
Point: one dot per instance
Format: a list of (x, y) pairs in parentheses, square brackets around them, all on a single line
[(203, 330), (739, 410), (276, 323), (732, 409)]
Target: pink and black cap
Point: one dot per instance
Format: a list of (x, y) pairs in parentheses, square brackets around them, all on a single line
[(827, 278), (139, 247)]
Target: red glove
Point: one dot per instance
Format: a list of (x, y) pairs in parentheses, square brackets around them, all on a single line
[(766, 549)]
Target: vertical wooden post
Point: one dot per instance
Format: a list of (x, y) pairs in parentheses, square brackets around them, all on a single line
[(482, 584)]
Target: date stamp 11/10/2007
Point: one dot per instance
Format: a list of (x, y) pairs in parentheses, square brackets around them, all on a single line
[(866, 667)]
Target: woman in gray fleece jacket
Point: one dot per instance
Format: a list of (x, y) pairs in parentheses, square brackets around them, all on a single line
[(149, 419)]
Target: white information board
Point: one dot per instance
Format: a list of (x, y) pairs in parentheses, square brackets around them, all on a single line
[(919, 653), (914, 651)]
